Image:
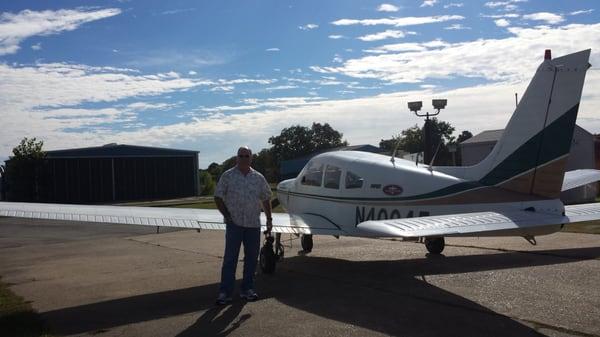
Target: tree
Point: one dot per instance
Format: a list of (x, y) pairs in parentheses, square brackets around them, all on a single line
[(206, 182), (464, 136), (24, 169), (297, 141)]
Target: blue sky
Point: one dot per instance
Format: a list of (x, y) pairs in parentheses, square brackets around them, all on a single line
[(213, 75)]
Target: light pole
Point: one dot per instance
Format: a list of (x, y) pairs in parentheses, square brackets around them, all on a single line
[(438, 104)]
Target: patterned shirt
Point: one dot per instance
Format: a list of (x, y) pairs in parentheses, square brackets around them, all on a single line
[(242, 195)]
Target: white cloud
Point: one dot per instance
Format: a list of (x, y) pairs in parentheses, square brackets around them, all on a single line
[(308, 26), (37, 46), (387, 8), (508, 5), (143, 106), (43, 100), (408, 47), (454, 4), (281, 87), (585, 11), (550, 18), (15, 28), (457, 26), (272, 49), (502, 23), (499, 16), (191, 72), (488, 59), (388, 34), (336, 37), (217, 135), (428, 3), (398, 22)]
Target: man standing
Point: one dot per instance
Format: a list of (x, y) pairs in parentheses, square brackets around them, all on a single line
[(239, 195)]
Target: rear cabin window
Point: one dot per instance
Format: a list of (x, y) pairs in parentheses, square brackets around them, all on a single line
[(332, 177), (313, 175), (353, 180)]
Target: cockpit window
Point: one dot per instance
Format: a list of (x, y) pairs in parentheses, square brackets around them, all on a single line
[(332, 177), (353, 180), (313, 176)]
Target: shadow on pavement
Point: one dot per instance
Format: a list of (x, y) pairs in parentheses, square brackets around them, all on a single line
[(391, 297)]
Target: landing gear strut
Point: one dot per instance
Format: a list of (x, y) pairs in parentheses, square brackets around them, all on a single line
[(270, 253), (307, 242), (435, 245)]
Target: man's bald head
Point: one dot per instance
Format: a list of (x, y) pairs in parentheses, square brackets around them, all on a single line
[(244, 149), (244, 157)]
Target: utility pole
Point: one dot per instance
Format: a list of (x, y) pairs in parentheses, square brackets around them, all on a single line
[(415, 107)]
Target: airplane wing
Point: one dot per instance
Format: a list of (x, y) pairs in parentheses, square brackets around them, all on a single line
[(157, 216), (469, 224), (578, 178)]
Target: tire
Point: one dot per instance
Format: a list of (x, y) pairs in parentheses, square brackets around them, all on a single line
[(307, 243), (435, 245), (267, 259)]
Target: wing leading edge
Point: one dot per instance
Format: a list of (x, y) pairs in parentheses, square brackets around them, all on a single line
[(190, 218)]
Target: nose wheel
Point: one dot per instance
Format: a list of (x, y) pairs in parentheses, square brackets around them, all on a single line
[(271, 252)]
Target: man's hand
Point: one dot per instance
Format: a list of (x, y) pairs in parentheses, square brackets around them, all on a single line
[(269, 226)]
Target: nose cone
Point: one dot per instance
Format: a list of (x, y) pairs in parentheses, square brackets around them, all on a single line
[(285, 185)]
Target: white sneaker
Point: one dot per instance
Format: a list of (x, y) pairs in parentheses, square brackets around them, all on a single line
[(249, 295), (223, 299)]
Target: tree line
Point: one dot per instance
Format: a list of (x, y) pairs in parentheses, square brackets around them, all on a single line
[(22, 171)]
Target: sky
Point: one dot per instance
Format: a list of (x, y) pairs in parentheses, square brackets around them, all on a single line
[(211, 76)]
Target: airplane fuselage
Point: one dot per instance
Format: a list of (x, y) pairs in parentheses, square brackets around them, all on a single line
[(344, 188)]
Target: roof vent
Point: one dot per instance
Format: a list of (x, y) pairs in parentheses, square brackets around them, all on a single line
[(109, 144)]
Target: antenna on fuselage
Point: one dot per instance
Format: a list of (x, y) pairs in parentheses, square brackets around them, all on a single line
[(434, 155)]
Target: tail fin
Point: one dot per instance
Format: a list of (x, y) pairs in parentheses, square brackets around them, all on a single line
[(530, 156)]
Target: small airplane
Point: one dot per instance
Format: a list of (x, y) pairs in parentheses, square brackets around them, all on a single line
[(514, 191)]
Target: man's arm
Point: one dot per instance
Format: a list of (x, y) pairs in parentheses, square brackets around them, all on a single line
[(266, 204), (223, 209)]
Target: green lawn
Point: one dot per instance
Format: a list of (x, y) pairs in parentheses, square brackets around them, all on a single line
[(210, 204), (589, 227), (17, 318)]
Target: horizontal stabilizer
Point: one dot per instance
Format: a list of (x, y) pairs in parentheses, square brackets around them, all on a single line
[(579, 178)]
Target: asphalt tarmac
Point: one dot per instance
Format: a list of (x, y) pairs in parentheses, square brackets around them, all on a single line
[(121, 280)]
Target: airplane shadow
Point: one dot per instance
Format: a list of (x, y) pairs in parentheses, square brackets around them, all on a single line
[(390, 297)]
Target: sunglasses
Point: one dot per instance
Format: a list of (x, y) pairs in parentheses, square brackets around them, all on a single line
[(243, 156)]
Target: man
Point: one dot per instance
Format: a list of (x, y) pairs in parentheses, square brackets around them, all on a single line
[(239, 195)]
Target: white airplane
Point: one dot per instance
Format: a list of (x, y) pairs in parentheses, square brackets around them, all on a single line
[(514, 191)]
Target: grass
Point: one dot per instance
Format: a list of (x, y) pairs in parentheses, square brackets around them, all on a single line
[(588, 227), (17, 318), (210, 204)]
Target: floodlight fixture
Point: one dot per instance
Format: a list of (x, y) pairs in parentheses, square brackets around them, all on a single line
[(439, 104), (415, 106)]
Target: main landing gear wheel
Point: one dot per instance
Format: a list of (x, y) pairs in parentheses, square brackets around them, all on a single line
[(435, 245), (307, 242)]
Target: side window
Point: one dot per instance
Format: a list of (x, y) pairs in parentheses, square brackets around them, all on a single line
[(332, 177), (353, 180), (313, 176)]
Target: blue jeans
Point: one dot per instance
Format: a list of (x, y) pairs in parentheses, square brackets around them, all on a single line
[(234, 237)]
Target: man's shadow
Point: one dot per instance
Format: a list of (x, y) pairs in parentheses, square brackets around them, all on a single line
[(217, 321)]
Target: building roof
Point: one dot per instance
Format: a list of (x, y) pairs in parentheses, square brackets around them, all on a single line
[(492, 136), (118, 150), (485, 137)]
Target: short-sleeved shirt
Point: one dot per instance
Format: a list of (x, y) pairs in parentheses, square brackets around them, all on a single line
[(243, 194)]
